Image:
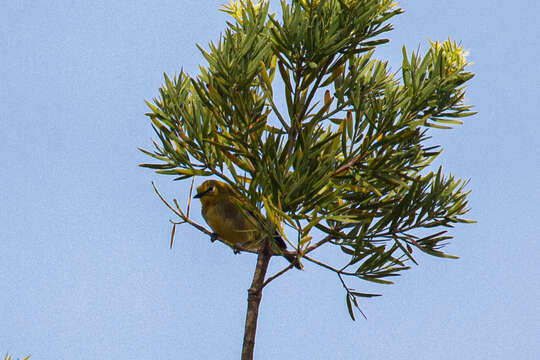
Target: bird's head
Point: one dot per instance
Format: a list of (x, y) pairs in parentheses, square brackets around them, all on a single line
[(213, 188)]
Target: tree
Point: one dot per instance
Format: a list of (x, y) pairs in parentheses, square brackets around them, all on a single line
[(342, 160)]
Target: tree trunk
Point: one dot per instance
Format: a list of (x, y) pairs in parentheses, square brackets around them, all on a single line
[(254, 300)]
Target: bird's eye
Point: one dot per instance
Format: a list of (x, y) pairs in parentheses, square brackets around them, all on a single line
[(211, 189)]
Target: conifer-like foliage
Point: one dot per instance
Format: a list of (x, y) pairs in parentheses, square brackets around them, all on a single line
[(300, 117)]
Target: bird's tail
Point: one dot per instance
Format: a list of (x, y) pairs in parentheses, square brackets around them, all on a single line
[(283, 247)]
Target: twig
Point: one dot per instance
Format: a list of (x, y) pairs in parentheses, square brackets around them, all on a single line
[(178, 211), (186, 220), (348, 165), (178, 207), (180, 214), (337, 271), (278, 274), (320, 263), (340, 274), (349, 293), (299, 232), (319, 243)]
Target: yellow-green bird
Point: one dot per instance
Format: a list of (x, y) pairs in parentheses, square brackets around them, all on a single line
[(227, 220)]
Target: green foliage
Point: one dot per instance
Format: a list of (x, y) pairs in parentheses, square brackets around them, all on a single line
[(352, 166)]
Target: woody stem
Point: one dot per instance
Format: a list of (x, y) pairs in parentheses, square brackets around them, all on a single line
[(254, 300)]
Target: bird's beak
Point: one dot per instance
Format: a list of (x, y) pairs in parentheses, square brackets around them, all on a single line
[(200, 195)]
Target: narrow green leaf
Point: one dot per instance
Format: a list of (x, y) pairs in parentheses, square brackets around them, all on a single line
[(365, 295), (349, 306), (188, 172)]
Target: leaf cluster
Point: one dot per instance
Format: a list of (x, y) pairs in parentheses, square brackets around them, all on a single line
[(352, 165)]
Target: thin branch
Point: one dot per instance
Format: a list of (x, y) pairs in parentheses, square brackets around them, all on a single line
[(180, 214), (316, 245), (178, 206), (340, 274), (185, 220), (331, 268), (337, 271), (178, 211), (195, 225), (278, 274), (349, 292), (349, 164), (300, 233)]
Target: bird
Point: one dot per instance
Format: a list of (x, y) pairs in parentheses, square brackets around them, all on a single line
[(229, 223)]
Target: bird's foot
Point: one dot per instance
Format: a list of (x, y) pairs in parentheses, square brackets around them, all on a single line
[(236, 248), (213, 237)]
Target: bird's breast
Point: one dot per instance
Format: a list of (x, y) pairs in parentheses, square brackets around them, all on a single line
[(229, 223)]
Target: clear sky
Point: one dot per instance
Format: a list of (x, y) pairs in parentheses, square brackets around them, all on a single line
[(86, 271)]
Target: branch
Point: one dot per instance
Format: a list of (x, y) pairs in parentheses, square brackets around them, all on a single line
[(316, 245), (337, 271), (180, 213), (340, 274), (350, 295), (254, 300), (349, 165), (283, 271), (185, 220)]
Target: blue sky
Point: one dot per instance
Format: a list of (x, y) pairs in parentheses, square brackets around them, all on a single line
[(86, 269)]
